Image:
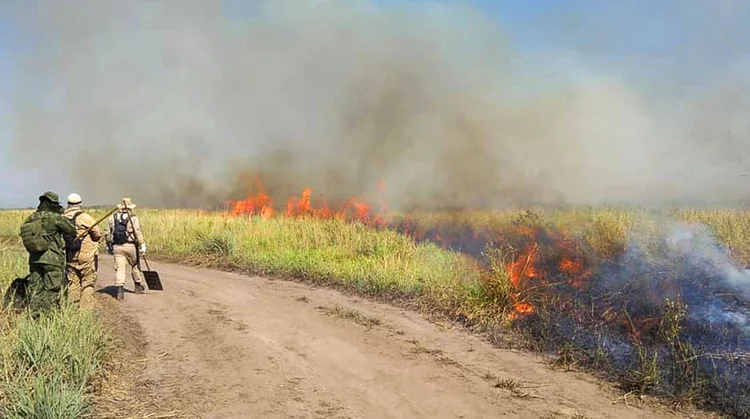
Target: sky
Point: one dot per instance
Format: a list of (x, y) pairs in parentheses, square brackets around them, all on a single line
[(656, 45)]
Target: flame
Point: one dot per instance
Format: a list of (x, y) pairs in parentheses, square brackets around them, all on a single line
[(260, 204), (547, 259), (305, 206)]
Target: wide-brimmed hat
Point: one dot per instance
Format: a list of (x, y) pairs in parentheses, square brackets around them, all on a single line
[(51, 196), (126, 204)]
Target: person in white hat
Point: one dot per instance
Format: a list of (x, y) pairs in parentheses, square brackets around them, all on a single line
[(80, 253), (125, 241)]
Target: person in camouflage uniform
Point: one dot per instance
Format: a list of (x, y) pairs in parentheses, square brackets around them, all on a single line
[(46, 281)]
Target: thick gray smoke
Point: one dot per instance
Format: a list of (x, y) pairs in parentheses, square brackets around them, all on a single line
[(171, 101), (695, 245)]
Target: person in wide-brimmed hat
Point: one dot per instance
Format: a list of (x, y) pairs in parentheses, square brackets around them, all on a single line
[(126, 203), (125, 241)]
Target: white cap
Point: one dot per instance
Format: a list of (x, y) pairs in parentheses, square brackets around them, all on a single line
[(74, 199)]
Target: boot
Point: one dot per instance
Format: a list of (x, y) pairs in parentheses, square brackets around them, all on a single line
[(139, 288), (120, 293)]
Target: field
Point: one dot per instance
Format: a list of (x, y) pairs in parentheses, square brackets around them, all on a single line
[(628, 294)]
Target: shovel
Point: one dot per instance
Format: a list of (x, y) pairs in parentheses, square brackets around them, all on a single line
[(151, 277)]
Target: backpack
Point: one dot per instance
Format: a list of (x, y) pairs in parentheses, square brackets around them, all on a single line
[(35, 238), (16, 295), (73, 245), (120, 231)]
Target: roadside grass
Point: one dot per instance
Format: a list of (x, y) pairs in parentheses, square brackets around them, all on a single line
[(48, 366), (381, 264)]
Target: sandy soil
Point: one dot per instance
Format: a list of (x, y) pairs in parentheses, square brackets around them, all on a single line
[(221, 345)]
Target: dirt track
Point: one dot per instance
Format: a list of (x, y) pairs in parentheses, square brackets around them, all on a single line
[(220, 345)]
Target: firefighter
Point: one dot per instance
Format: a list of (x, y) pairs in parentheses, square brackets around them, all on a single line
[(43, 234), (125, 241), (81, 250)]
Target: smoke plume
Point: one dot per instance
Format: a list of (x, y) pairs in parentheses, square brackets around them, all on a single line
[(186, 103)]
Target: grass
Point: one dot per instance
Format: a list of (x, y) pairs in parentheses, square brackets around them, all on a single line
[(388, 265), (349, 314), (49, 365), (329, 252)]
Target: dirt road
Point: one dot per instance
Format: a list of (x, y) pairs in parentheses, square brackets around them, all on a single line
[(220, 345)]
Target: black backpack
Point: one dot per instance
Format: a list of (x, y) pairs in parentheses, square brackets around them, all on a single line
[(73, 245), (120, 231)]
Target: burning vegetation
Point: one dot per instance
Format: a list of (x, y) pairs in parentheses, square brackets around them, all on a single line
[(666, 314), (260, 204)]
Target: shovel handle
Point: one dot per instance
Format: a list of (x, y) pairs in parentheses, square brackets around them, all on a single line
[(88, 230), (146, 261)]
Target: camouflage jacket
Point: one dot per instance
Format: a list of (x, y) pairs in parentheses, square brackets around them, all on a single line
[(56, 225)]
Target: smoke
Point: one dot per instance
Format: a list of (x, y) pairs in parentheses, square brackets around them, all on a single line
[(185, 103), (699, 257), (695, 243)]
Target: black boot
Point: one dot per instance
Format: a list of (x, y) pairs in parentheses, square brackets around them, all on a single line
[(139, 288), (120, 293)]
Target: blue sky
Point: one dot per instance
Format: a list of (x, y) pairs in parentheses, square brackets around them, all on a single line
[(677, 44)]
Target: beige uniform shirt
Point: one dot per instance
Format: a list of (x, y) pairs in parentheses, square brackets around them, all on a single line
[(134, 232), (90, 243)]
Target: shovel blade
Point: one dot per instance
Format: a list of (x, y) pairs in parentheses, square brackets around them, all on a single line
[(152, 280)]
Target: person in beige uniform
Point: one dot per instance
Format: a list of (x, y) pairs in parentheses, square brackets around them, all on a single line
[(125, 241), (81, 254)]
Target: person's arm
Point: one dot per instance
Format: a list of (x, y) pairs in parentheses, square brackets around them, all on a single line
[(65, 225), (108, 234), (137, 231), (110, 229), (88, 221)]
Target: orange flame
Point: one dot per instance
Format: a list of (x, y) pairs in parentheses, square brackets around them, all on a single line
[(540, 265), (304, 206), (260, 204)]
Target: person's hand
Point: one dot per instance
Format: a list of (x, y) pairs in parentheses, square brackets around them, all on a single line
[(110, 249), (143, 248)]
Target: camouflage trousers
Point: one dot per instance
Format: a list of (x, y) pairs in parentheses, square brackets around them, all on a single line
[(46, 287), (81, 280)]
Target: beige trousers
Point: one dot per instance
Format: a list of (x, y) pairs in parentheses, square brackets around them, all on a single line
[(81, 280), (125, 259)]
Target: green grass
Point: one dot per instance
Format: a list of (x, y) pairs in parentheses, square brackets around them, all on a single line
[(47, 365), (330, 252)]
